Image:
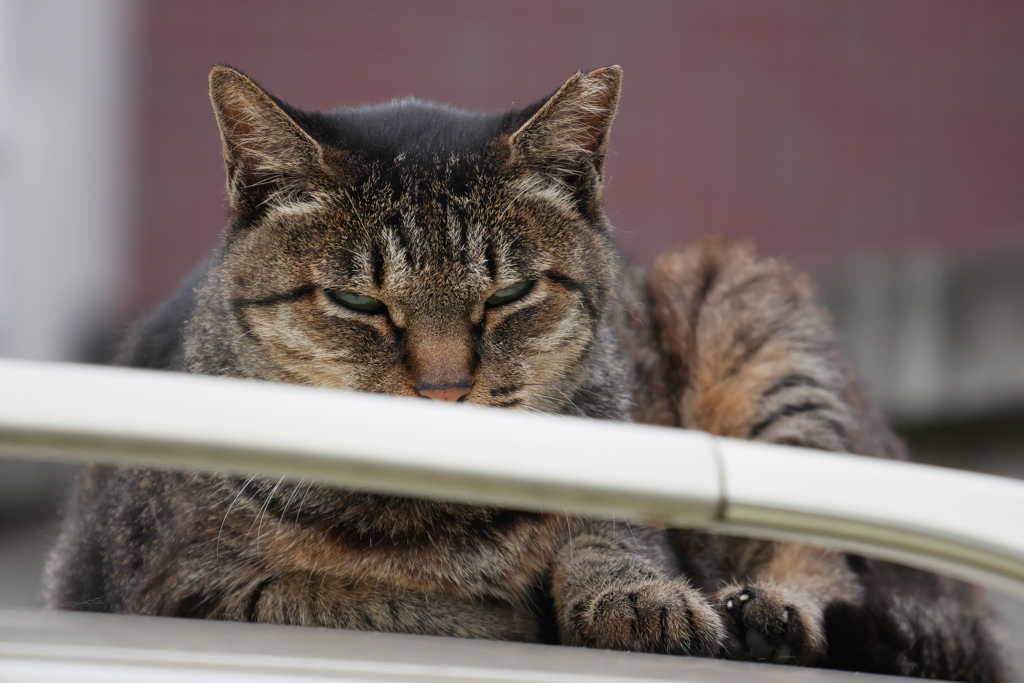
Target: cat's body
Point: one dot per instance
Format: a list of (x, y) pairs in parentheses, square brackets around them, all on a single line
[(417, 250)]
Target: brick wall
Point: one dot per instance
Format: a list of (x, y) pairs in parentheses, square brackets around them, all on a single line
[(827, 131)]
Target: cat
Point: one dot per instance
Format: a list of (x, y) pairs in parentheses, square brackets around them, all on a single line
[(423, 251)]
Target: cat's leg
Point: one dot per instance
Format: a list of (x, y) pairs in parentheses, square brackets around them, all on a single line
[(750, 355), (613, 589), (776, 612), (304, 599), (773, 596)]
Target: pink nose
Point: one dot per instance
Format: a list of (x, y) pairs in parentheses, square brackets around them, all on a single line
[(436, 393)]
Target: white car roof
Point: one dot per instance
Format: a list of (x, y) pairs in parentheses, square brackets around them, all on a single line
[(78, 647)]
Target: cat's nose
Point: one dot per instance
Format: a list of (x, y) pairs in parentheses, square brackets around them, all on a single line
[(449, 393), (441, 362)]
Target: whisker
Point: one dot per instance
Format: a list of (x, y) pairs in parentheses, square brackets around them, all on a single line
[(579, 411), (626, 521), (216, 552), (288, 503), (303, 501), (263, 513)]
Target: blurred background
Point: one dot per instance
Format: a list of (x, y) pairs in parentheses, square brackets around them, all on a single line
[(878, 144)]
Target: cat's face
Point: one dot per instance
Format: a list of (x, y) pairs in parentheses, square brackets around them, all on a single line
[(418, 251)]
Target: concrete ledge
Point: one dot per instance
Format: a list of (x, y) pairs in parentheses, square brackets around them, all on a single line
[(936, 340)]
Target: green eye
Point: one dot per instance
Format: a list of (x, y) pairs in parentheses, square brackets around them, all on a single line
[(355, 301), (510, 293)]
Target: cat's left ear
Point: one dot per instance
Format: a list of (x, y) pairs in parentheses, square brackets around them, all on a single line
[(567, 137), (269, 157)]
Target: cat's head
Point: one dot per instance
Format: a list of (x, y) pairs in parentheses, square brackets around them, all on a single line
[(419, 250)]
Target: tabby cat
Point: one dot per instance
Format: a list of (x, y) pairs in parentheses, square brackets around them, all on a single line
[(418, 250)]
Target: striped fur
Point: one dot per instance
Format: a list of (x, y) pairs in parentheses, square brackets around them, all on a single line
[(737, 346), (432, 211)]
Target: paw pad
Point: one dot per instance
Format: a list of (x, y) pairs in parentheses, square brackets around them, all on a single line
[(764, 626), (731, 603)]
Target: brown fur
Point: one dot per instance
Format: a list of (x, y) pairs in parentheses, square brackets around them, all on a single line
[(738, 347), (430, 213)]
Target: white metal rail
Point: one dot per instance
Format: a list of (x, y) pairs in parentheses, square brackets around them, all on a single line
[(967, 525)]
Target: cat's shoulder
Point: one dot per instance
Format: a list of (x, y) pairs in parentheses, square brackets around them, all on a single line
[(157, 341), (719, 271)]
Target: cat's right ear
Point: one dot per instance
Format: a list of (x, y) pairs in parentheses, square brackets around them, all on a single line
[(269, 157)]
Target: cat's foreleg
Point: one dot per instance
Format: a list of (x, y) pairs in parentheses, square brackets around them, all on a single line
[(751, 355), (611, 590), (776, 613), (304, 599)]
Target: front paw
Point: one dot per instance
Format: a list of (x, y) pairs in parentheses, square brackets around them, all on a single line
[(664, 616), (764, 624)]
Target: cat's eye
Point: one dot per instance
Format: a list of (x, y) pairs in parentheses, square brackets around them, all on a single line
[(355, 301), (510, 293)]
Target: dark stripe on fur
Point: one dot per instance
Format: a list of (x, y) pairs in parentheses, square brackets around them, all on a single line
[(377, 266), (491, 261), (780, 414), (576, 288), (790, 381), (710, 276), (274, 299), (398, 228), (254, 600), (509, 404)]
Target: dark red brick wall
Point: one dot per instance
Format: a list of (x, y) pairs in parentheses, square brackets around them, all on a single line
[(827, 131)]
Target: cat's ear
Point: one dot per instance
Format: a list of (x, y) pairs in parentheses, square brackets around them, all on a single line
[(268, 156), (568, 136)]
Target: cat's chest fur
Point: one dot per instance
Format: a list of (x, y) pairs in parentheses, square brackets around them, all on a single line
[(404, 544)]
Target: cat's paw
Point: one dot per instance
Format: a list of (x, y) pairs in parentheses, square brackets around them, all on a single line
[(763, 624), (664, 616)]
